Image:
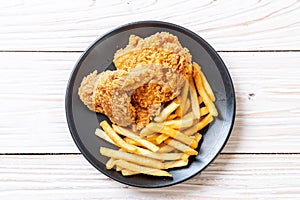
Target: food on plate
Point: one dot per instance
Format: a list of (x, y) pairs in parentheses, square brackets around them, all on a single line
[(158, 101), (128, 97)]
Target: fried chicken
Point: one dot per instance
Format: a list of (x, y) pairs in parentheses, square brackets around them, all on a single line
[(134, 96), (161, 48), (150, 72)]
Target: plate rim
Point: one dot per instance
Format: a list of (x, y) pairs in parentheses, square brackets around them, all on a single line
[(128, 26)]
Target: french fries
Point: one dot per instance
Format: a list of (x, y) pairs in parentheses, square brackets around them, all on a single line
[(115, 137), (141, 169), (127, 133), (130, 157), (170, 139), (166, 112), (194, 100), (204, 81), (202, 92)]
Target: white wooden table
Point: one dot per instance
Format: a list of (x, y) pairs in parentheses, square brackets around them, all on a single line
[(40, 42)]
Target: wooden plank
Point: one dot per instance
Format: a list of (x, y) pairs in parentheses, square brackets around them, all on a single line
[(72, 177), (69, 25), (32, 91)]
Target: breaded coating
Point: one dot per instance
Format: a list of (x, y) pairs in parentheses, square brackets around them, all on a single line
[(161, 48), (150, 72), (134, 96)]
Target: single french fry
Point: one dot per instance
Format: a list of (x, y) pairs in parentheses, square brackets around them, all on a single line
[(131, 141), (101, 134), (198, 137), (164, 148), (187, 106), (204, 122), (185, 122), (138, 159), (141, 169), (127, 133), (152, 138), (183, 97), (118, 168), (161, 138), (194, 100), (197, 69), (185, 157), (200, 125), (166, 111), (203, 111), (126, 172), (182, 147), (116, 138), (173, 133), (159, 156), (148, 130), (176, 163), (110, 163), (206, 99), (191, 131)]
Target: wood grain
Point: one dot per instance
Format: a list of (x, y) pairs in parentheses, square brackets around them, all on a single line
[(68, 25), (32, 91), (71, 177)]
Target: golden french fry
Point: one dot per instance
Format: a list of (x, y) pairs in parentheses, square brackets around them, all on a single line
[(187, 106), (206, 99), (191, 131), (161, 138), (185, 122), (180, 123), (200, 125), (138, 159), (126, 172), (185, 157), (164, 148), (131, 141), (116, 138), (127, 133), (110, 163), (176, 163), (197, 69), (166, 111), (152, 138), (159, 156), (182, 99), (101, 134), (148, 130), (182, 147), (159, 127), (198, 137), (205, 121), (141, 169), (203, 111), (118, 168), (194, 100)]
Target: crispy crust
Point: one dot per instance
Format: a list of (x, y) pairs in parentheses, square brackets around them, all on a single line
[(161, 48), (150, 72)]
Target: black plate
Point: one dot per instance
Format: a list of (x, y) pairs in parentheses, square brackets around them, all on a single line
[(82, 122)]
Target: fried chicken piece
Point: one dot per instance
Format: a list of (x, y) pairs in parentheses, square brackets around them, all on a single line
[(102, 93), (151, 72), (134, 96), (161, 48)]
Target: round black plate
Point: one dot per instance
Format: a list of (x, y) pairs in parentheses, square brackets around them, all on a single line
[(82, 122)]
